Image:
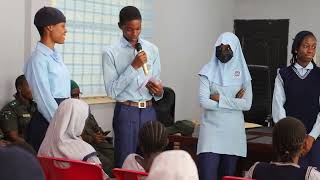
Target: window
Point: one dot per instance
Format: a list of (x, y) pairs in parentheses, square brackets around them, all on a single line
[(91, 26)]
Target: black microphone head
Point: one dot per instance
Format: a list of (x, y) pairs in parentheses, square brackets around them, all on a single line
[(138, 47)]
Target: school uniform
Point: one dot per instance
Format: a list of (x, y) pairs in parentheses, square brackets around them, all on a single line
[(127, 86), (281, 171), (222, 137), (297, 94), (49, 80)]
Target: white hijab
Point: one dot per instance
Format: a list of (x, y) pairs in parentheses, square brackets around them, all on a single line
[(234, 72), (63, 138), (173, 165)]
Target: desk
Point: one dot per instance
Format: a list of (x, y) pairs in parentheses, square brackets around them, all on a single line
[(259, 146)]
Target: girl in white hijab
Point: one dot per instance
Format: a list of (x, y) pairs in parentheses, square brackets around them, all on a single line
[(63, 137), (225, 91), (173, 165)]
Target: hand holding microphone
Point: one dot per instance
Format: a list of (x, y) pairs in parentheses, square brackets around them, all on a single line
[(140, 59)]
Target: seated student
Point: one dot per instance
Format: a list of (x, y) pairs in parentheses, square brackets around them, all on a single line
[(173, 165), (18, 164), (94, 135), (153, 139), (63, 137), (16, 115), (288, 143)]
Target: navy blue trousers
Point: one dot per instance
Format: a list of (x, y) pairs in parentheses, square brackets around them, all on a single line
[(37, 128), (127, 121), (313, 157), (214, 166)]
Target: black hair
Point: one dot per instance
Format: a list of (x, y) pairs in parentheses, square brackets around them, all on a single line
[(19, 81), (40, 30), (153, 137), (296, 44), (288, 138), (129, 13)]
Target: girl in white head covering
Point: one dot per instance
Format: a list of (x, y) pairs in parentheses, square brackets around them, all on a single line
[(225, 91), (233, 72), (173, 165), (63, 137)]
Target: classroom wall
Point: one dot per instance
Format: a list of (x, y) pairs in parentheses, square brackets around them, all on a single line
[(302, 15), (12, 49)]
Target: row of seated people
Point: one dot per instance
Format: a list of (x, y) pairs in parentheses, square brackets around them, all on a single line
[(18, 164), (63, 140), (288, 143), (16, 115), (150, 144)]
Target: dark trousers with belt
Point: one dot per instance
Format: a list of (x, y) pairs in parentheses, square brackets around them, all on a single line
[(37, 128), (127, 121), (313, 156), (213, 166)]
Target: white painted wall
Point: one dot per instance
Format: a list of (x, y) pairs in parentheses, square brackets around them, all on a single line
[(12, 46), (302, 15)]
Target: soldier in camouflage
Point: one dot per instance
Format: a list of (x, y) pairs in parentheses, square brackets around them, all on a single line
[(16, 115)]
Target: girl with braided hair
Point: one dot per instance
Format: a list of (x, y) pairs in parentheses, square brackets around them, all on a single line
[(297, 92), (153, 139), (288, 140)]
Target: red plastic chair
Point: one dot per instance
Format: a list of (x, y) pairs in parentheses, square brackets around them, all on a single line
[(234, 178), (71, 169), (126, 174)]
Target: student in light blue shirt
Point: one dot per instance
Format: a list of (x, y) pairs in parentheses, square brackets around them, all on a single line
[(225, 91), (128, 83), (46, 73)]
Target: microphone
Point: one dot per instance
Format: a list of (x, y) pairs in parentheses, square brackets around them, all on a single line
[(144, 67)]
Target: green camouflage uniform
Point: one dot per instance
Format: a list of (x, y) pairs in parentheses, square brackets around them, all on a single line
[(104, 149), (16, 115)]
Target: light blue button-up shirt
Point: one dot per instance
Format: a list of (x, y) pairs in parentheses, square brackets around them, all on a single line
[(48, 78), (222, 127), (122, 81), (279, 99)]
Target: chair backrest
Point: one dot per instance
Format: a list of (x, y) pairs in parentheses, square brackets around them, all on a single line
[(126, 174), (65, 169), (234, 178), (165, 107), (262, 95)]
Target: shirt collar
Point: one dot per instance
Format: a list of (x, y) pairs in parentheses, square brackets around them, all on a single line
[(44, 49), (47, 51), (285, 164), (125, 43), (309, 66)]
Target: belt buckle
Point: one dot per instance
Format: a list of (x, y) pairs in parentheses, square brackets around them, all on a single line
[(142, 104)]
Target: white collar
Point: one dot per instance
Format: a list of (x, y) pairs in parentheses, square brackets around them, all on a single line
[(309, 66), (285, 164)]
